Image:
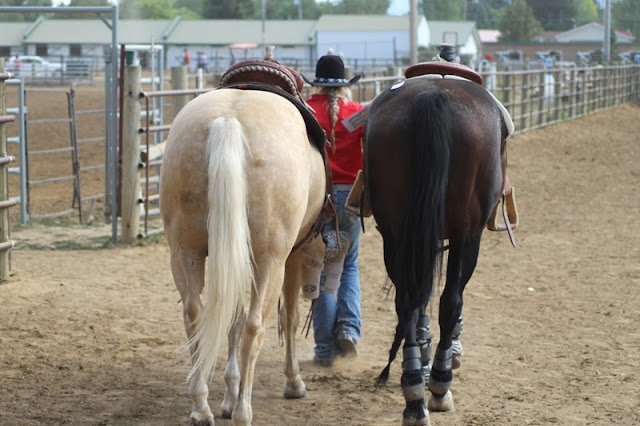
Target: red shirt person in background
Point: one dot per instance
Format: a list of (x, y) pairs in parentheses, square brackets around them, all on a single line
[(336, 317)]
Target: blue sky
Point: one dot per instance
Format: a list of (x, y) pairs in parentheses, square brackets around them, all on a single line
[(398, 7)]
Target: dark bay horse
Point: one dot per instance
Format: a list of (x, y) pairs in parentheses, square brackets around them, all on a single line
[(435, 161), (241, 186)]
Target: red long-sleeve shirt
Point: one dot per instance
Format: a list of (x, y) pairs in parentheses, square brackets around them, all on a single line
[(347, 158)]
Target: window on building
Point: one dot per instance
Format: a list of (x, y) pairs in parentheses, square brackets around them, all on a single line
[(5, 52), (75, 50), (42, 50)]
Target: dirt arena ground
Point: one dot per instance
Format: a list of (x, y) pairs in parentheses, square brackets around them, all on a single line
[(551, 336)]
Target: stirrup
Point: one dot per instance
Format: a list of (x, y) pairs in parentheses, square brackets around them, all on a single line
[(357, 201), (509, 215), (335, 249)]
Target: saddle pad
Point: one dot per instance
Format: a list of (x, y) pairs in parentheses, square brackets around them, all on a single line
[(443, 68)]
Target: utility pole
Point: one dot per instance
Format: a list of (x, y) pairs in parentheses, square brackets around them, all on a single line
[(299, 4), (263, 37), (413, 32), (606, 48)]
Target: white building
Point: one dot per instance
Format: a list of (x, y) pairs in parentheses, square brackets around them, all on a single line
[(369, 39)]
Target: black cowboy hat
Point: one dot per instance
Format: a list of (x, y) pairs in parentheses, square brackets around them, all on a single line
[(330, 73)]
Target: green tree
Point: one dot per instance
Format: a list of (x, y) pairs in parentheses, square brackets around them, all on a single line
[(442, 10), (85, 3), (289, 9), (625, 16), (356, 7), (190, 7), (153, 9), (482, 13), (554, 15), (22, 17), (518, 23), (230, 9), (587, 11)]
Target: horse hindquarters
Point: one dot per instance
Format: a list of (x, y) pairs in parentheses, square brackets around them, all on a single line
[(412, 229), (213, 171), (243, 192)]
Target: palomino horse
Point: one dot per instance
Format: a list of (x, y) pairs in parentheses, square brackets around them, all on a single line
[(435, 158), (241, 185)]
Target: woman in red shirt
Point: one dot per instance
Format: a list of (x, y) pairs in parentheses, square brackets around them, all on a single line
[(336, 317)]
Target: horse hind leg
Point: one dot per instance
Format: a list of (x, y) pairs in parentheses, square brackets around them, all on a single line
[(232, 369), (303, 267), (188, 274), (460, 266), (412, 380), (269, 278), (289, 320)]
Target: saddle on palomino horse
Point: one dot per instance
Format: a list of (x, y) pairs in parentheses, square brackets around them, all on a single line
[(268, 75)]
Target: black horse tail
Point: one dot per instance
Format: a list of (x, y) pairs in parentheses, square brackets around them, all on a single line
[(416, 261), (383, 378)]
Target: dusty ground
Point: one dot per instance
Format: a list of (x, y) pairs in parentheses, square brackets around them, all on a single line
[(551, 327)]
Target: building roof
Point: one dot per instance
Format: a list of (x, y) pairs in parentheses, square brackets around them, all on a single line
[(489, 36), (228, 31), (359, 23), (90, 31), (178, 32), (591, 32), (454, 32), (11, 33), (547, 36)]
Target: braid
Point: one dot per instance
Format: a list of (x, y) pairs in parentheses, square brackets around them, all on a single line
[(334, 108), (335, 94)]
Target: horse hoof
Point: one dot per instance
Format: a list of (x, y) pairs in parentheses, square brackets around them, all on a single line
[(301, 396), (197, 420), (295, 390), (441, 403), (225, 412), (415, 415), (422, 421), (456, 361), (227, 406)]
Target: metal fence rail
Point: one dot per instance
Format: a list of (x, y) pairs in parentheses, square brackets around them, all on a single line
[(538, 98), (534, 98)]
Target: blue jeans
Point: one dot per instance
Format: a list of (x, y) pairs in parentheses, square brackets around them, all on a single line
[(333, 315)]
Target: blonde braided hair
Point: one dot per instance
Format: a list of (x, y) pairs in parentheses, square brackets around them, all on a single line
[(335, 94)]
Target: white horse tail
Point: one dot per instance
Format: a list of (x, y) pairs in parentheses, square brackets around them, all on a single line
[(230, 259)]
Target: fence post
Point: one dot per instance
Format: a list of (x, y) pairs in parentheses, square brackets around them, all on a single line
[(179, 81), (5, 203), (131, 164), (524, 101), (506, 90)]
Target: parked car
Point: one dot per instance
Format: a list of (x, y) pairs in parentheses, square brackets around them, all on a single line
[(34, 66)]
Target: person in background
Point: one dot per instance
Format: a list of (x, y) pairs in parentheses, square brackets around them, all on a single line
[(186, 60), (201, 61), (336, 316)]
